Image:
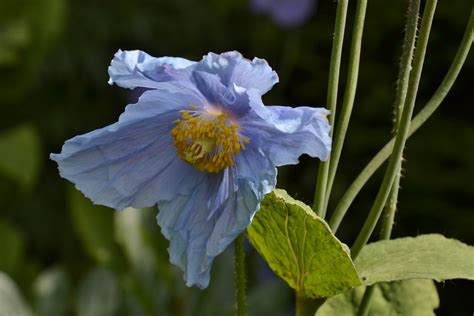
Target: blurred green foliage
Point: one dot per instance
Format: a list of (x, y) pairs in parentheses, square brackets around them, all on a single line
[(65, 255)]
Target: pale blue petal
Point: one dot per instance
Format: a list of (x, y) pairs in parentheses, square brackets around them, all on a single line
[(233, 69), (286, 133), (132, 162), (131, 69), (202, 225), (254, 176), (186, 223), (154, 102), (232, 101)]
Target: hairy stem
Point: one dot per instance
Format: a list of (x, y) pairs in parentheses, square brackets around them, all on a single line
[(402, 134), (240, 279), (400, 96), (409, 40), (319, 202)]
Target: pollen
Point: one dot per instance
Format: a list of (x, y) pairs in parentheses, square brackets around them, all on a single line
[(208, 142)]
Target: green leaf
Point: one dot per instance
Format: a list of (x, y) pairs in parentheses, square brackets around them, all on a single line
[(11, 300), (12, 245), (98, 294), (51, 290), (94, 224), (407, 298), (424, 257), (300, 247), (20, 155)]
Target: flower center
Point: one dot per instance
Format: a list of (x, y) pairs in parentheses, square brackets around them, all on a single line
[(208, 142)]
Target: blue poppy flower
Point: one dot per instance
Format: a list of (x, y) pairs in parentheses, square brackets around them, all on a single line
[(199, 143), (285, 13)]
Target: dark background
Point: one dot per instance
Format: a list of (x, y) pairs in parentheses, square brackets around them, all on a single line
[(54, 56)]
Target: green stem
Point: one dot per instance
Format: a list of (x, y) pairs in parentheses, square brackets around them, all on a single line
[(240, 280), (402, 134), (364, 306), (307, 306), (319, 203), (388, 218), (415, 124), (349, 96), (409, 40), (400, 96)]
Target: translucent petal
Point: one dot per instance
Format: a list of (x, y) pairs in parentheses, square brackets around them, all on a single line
[(286, 133), (254, 176), (186, 223), (132, 162), (233, 69), (131, 69), (202, 225), (232, 101)]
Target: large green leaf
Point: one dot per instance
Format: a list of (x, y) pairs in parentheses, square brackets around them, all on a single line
[(424, 257), (51, 290), (20, 155), (11, 300), (300, 247), (407, 298), (98, 294), (94, 225)]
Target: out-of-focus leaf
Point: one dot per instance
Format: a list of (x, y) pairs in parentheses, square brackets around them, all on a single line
[(27, 29), (403, 298), (11, 300), (20, 154), (424, 257), (51, 290), (12, 247), (98, 294), (94, 225), (300, 247), (130, 235), (13, 37)]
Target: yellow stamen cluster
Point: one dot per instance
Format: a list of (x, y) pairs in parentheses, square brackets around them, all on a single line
[(208, 142)]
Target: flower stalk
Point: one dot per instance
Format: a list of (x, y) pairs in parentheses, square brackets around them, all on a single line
[(425, 113), (240, 277), (402, 134), (400, 96), (320, 203), (349, 96)]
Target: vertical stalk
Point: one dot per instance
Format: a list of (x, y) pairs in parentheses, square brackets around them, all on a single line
[(364, 306), (425, 113), (400, 96), (307, 306), (349, 96), (240, 279), (320, 203), (402, 134), (302, 306)]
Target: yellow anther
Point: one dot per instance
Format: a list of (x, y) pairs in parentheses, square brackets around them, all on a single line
[(208, 142)]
